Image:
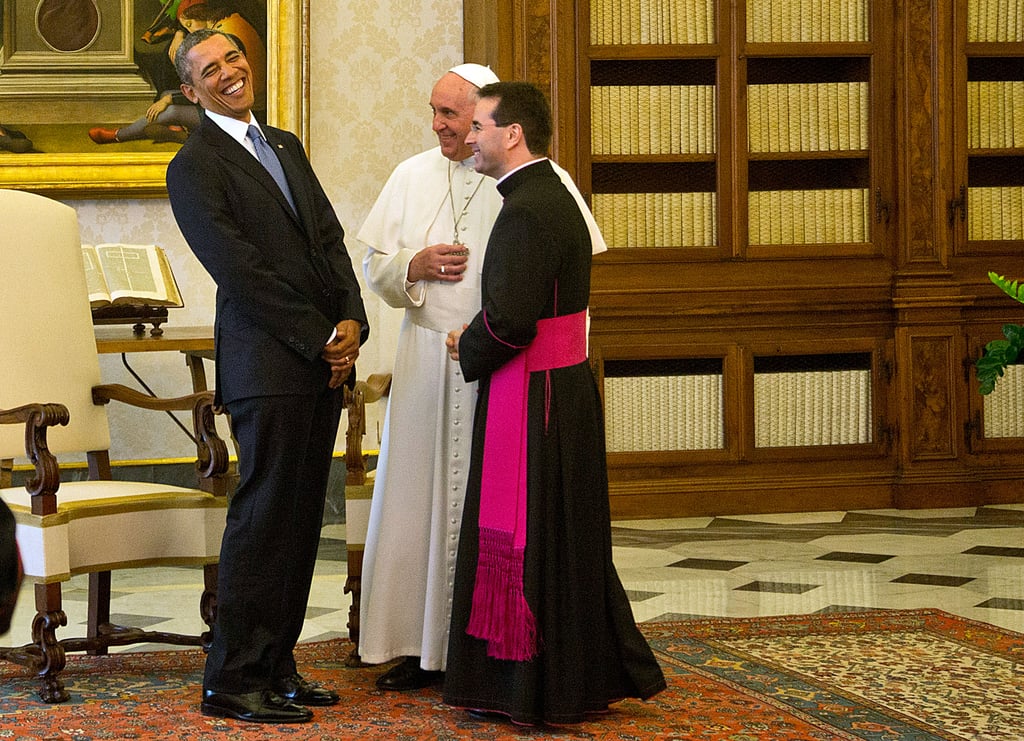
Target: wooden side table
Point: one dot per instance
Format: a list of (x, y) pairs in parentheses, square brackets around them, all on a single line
[(195, 343)]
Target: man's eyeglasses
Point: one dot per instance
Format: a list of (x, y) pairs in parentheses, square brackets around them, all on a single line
[(476, 128)]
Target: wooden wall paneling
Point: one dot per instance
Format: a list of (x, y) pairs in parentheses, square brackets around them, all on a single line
[(529, 40), (929, 399), (488, 26), (923, 235), (912, 295)]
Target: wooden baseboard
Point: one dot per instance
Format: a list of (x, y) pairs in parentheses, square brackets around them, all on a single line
[(708, 497)]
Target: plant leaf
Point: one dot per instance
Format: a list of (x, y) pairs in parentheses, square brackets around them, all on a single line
[(1012, 288), (997, 356)]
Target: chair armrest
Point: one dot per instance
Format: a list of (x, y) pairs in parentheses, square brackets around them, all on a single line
[(108, 392), (37, 418), (374, 388), (211, 450)]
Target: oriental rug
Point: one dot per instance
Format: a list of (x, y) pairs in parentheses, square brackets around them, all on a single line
[(878, 675)]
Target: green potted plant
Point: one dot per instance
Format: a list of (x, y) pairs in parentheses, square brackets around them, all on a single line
[(999, 354)]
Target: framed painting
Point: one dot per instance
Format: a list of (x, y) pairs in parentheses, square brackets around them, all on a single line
[(89, 103)]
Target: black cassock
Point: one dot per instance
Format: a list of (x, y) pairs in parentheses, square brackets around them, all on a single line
[(590, 650)]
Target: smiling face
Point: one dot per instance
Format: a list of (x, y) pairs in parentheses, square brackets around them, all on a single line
[(452, 101), (221, 78), (488, 140)]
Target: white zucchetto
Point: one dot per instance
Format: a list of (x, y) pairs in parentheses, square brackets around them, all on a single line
[(476, 74)]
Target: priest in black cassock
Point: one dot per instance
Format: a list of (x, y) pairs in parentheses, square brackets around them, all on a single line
[(542, 630)]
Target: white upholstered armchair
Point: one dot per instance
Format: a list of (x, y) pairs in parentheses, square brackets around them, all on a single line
[(52, 404)]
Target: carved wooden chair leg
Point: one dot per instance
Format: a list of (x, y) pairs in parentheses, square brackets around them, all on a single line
[(99, 608), (353, 586), (51, 659), (208, 603), (357, 495), (45, 655)]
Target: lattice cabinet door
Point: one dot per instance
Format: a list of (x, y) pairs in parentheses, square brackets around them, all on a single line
[(757, 129), (987, 207)]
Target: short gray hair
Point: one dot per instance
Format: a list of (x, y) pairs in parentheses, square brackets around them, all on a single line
[(181, 63)]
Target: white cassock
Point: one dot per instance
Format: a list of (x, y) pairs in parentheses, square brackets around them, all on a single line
[(420, 482)]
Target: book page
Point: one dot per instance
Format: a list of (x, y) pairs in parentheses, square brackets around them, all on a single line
[(138, 274), (99, 294), (167, 276)]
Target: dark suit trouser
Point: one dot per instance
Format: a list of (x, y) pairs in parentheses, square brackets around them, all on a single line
[(269, 548)]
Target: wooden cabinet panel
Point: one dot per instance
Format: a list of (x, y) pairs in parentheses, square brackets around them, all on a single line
[(803, 200)]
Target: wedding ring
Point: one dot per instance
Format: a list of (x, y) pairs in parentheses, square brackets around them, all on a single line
[(442, 270)]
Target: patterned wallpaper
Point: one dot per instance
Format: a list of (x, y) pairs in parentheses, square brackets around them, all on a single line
[(372, 67)]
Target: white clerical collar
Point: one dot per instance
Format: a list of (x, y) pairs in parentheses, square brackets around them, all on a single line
[(520, 167)]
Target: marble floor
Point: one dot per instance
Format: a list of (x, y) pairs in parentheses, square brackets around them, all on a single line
[(967, 561)]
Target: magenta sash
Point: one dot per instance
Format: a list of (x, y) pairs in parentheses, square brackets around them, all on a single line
[(500, 614)]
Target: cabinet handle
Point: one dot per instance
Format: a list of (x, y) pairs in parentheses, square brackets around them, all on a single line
[(958, 204), (881, 207)]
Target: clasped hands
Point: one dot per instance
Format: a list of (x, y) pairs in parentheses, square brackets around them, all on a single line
[(341, 354)]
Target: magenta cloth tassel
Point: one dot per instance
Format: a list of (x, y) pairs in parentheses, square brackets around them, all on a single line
[(500, 614)]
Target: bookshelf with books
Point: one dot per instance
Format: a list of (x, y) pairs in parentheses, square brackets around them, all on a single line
[(787, 316), (986, 208), (989, 216), (654, 150), (808, 146)]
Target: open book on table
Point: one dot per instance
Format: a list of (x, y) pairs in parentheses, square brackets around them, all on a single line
[(129, 275)]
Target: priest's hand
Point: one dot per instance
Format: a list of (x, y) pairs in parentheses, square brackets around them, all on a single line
[(440, 262), (452, 342)]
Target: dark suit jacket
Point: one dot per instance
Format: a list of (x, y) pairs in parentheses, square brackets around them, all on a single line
[(283, 280)]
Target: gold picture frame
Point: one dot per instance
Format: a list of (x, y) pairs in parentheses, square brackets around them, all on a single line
[(142, 174)]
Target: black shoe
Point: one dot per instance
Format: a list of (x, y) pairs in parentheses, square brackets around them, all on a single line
[(262, 706), (407, 675), (485, 715), (301, 692)]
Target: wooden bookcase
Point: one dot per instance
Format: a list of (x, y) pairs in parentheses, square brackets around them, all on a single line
[(802, 208), (987, 208)]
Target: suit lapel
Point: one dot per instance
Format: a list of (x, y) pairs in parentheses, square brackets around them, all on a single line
[(239, 156)]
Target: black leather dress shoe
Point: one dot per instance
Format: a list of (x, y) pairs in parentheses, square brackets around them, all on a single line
[(407, 675), (301, 692), (263, 706), (485, 715)]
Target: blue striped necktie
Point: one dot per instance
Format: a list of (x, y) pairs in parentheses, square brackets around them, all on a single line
[(268, 158)]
